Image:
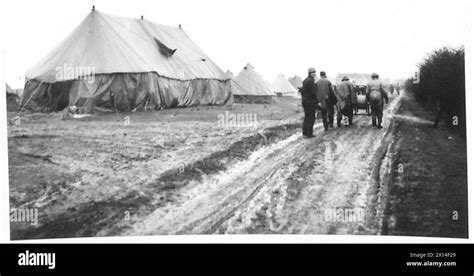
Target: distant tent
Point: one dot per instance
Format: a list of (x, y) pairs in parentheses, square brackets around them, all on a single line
[(237, 89), (254, 89), (281, 87), (9, 90), (12, 98), (296, 81), (230, 75), (111, 63)]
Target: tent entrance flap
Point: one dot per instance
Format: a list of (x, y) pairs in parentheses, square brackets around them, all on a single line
[(164, 50)]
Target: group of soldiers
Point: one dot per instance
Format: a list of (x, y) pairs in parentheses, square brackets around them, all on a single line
[(395, 87), (322, 95)]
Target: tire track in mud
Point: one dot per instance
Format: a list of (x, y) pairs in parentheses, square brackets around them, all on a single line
[(288, 189), (380, 181), (215, 198), (219, 161), (321, 188), (264, 212), (303, 211), (282, 186)]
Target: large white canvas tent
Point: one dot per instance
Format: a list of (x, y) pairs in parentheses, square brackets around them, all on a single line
[(254, 89), (281, 87), (114, 63), (9, 90)]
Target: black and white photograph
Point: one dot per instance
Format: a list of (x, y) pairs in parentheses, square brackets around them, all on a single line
[(177, 118)]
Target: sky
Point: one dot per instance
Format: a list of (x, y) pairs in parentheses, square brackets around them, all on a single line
[(390, 37)]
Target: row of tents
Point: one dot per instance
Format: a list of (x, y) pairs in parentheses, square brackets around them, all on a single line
[(112, 63), (249, 87)]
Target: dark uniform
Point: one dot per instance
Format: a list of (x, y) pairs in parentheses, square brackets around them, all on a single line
[(310, 103), (392, 88), (346, 100), (327, 98)]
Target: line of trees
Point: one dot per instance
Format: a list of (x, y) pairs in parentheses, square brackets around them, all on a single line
[(442, 86)]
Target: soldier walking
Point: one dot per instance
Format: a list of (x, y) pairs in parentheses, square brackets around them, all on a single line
[(346, 100), (309, 103), (398, 88), (327, 99), (375, 96), (391, 87)]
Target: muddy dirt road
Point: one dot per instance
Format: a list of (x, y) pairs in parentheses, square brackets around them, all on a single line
[(291, 186), (103, 180), (158, 175)]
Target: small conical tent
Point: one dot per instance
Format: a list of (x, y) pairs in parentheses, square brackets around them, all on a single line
[(9, 90), (229, 74), (116, 63), (12, 98), (254, 88), (282, 87), (237, 89), (296, 81)]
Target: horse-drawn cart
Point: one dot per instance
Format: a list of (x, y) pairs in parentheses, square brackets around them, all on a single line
[(362, 103)]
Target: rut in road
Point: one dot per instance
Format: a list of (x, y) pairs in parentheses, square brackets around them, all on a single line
[(288, 186)]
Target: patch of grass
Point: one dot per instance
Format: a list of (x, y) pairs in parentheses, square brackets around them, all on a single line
[(429, 198)]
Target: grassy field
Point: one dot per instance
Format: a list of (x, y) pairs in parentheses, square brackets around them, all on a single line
[(428, 196)]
